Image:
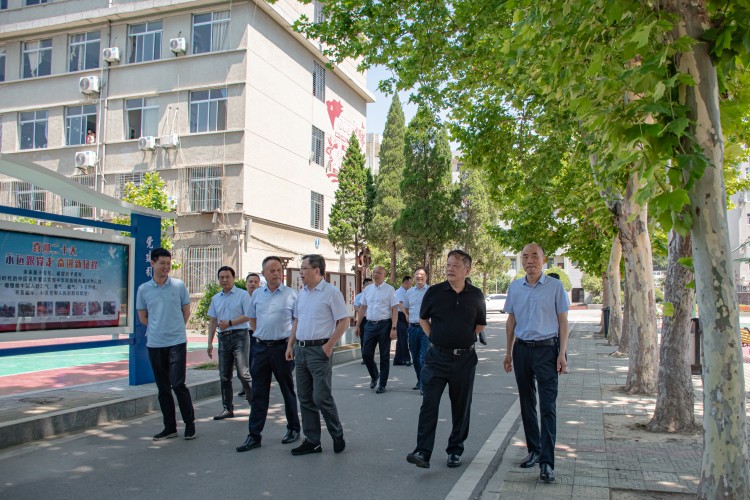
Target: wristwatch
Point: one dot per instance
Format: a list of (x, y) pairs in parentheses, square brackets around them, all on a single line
[(230, 322), (393, 328)]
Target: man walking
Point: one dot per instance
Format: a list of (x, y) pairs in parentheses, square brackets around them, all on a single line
[(359, 318), (230, 311), (163, 305), (380, 305), (537, 336), (401, 357), (418, 341), (252, 282), (321, 318), (452, 314), (271, 317)]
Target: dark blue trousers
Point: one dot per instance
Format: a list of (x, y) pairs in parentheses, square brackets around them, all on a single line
[(401, 356), (169, 366), (270, 361), (378, 333)]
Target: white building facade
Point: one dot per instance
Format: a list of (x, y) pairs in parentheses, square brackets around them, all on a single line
[(238, 114)]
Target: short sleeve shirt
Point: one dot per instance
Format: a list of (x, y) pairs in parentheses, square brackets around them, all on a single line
[(273, 312), (317, 311), (535, 308), (453, 316), (379, 301), (226, 306), (413, 301), (166, 325)]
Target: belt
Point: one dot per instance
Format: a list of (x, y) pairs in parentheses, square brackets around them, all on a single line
[(455, 352), (310, 343), (415, 324), (378, 321), (225, 332), (271, 343), (537, 343)]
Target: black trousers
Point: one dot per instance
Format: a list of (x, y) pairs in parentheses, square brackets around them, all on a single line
[(378, 334), (268, 361), (538, 364), (457, 372), (402, 355), (169, 365)]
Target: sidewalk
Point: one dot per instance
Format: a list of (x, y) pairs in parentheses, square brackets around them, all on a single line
[(603, 450)]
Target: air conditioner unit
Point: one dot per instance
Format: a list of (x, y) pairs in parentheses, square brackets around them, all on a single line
[(85, 159), (178, 45), (147, 142), (89, 85), (111, 54), (169, 141)]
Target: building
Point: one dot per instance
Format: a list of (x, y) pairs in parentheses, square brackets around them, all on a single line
[(738, 219), (235, 111), (372, 152)]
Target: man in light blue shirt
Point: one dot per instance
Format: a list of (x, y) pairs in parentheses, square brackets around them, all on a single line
[(321, 318), (230, 312), (402, 356), (418, 340), (163, 305), (537, 336), (271, 317)]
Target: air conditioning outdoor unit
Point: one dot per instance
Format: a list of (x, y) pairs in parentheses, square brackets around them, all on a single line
[(178, 45), (111, 54), (85, 159), (147, 142), (169, 141), (89, 85)]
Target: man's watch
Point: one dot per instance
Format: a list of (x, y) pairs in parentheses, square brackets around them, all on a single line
[(230, 322), (393, 328)]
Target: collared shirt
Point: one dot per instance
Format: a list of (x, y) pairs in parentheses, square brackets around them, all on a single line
[(230, 305), (357, 300), (413, 301), (453, 316), (379, 301), (317, 311), (536, 307), (401, 293), (273, 312), (166, 324)]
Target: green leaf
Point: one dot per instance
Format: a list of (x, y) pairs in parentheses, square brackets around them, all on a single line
[(659, 91), (640, 37), (667, 309), (687, 262)]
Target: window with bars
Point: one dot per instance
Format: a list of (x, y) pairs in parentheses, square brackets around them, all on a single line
[(2, 64), (83, 51), (37, 58), (141, 117), (318, 15), (513, 264), (316, 210), (208, 110), (318, 146), (37, 2), (122, 180), (319, 81), (33, 133), (30, 197), (210, 32), (205, 185), (203, 263), (144, 42), (79, 120), (78, 209)]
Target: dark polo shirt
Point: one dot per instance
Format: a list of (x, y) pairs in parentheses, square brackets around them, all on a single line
[(452, 315)]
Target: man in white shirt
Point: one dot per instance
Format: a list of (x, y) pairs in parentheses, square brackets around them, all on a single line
[(418, 340), (401, 357)]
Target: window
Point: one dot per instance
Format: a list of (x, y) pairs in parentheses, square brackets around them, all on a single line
[(318, 145), (203, 264), (36, 2), (141, 117), (78, 209), (208, 110), (210, 32), (205, 185), (79, 121), (123, 180), (3, 4), (33, 129), (37, 58), (2, 64), (747, 196), (319, 81), (83, 51), (316, 210), (144, 42), (318, 14), (748, 218), (30, 197)]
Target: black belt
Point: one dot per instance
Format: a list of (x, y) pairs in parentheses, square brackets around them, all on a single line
[(378, 321), (271, 343), (414, 324), (537, 343), (224, 332), (455, 352), (310, 343)]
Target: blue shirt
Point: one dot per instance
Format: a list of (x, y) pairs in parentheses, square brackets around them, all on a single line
[(317, 311), (166, 324), (536, 307), (226, 306), (273, 312), (413, 301)]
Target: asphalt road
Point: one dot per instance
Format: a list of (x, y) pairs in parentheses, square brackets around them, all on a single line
[(122, 461)]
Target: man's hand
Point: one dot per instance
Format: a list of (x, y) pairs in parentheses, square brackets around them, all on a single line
[(562, 363), (210, 351), (328, 349), (289, 355), (508, 363), (223, 324), (393, 334)]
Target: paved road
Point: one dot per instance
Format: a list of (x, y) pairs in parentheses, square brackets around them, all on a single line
[(123, 462)]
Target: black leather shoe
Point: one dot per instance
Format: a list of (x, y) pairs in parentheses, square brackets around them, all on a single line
[(380, 390), (373, 382), (290, 437), (531, 460), (547, 474), (224, 414), (249, 444), (339, 444), (241, 393), (306, 448), (419, 459), (454, 460), (415, 388), (408, 363)]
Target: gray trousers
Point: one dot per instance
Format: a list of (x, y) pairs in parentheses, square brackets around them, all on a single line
[(314, 370)]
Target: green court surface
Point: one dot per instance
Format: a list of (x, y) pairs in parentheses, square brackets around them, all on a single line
[(14, 365)]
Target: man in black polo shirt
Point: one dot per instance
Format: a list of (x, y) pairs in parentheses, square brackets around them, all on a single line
[(452, 314)]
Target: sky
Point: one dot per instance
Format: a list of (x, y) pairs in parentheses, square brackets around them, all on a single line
[(377, 113)]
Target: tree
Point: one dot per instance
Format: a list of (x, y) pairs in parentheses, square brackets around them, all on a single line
[(151, 193), (346, 230), (428, 220), (388, 203), (592, 284)]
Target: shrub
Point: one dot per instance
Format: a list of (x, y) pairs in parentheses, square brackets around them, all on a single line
[(200, 315)]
